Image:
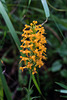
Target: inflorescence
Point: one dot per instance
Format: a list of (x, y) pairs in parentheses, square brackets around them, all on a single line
[(33, 47)]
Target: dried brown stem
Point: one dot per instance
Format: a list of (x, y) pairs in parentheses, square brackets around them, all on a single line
[(15, 8), (53, 32), (44, 21)]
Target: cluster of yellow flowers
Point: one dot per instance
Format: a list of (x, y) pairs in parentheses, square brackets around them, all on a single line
[(33, 46)]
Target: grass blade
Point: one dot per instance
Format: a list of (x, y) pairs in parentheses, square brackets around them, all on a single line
[(46, 9), (29, 2), (5, 87), (62, 91), (35, 82), (9, 25), (62, 85), (63, 96), (1, 90), (56, 21)]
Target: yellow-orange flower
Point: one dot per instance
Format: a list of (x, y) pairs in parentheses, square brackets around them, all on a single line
[(33, 47)]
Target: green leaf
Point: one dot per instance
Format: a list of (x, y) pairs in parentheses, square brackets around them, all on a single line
[(62, 85), (4, 4), (5, 87), (46, 9), (63, 96), (9, 60), (62, 50), (62, 91), (35, 97), (9, 25), (21, 89), (1, 90), (35, 82), (64, 73), (61, 22), (57, 21), (56, 66), (29, 2)]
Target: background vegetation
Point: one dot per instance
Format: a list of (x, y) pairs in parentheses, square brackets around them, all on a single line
[(14, 14)]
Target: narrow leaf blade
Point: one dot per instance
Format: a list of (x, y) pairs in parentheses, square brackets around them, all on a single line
[(35, 82), (9, 25), (5, 87), (1, 90), (29, 2), (46, 9), (62, 85)]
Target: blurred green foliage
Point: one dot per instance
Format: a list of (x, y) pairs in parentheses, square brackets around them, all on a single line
[(21, 12)]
